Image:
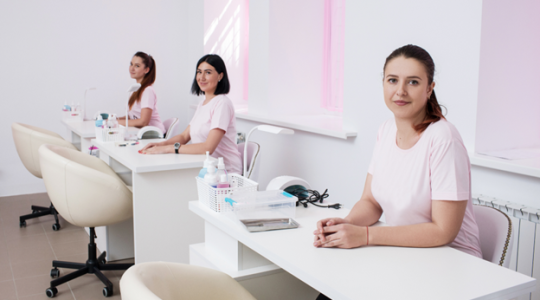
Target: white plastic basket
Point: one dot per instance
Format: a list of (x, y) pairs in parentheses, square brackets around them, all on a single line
[(215, 198), (72, 115), (110, 134)]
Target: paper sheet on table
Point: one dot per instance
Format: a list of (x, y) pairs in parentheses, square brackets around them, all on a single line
[(513, 154)]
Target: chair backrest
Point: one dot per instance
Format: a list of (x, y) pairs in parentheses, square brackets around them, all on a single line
[(496, 234), (169, 125), (170, 281), (29, 138), (83, 188), (253, 153)]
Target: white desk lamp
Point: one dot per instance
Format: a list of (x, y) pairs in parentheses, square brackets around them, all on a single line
[(84, 102), (265, 128), (135, 87)]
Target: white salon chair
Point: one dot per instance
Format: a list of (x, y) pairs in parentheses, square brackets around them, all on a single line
[(171, 281), (496, 234), (27, 140), (87, 193), (253, 153), (169, 125)]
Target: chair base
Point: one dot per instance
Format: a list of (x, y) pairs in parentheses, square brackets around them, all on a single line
[(39, 211), (94, 265)]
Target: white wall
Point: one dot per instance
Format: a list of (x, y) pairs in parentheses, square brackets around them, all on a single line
[(449, 31), (52, 51)]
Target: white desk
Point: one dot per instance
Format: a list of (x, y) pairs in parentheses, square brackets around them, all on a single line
[(162, 185), (80, 132), (362, 273)]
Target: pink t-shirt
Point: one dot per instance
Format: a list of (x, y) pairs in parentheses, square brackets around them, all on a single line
[(218, 113), (148, 100), (437, 167)]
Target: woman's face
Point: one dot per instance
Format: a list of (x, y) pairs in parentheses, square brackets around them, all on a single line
[(208, 78), (406, 88), (137, 69)]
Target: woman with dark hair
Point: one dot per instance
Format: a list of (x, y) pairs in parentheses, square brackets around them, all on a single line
[(419, 174), (143, 103), (213, 127)]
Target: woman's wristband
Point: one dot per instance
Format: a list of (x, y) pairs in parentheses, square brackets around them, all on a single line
[(367, 235)]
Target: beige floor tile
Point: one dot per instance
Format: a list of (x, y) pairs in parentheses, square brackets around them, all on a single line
[(66, 249), (5, 273), (37, 285), (7, 290), (67, 295), (20, 255), (30, 241), (4, 255), (89, 287), (31, 269), (13, 231), (61, 237)]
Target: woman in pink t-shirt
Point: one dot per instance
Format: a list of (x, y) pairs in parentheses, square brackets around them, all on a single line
[(213, 127), (143, 103), (419, 175)]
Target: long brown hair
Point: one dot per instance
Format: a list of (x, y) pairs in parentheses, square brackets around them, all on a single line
[(148, 79), (433, 109)]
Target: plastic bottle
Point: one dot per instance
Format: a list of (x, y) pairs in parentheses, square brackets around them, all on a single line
[(78, 107), (221, 169), (112, 122), (99, 121), (72, 107), (223, 183), (66, 107), (211, 176), (207, 162)]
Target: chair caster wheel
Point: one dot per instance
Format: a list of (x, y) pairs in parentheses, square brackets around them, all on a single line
[(51, 292), (22, 224), (55, 227), (55, 273), (107, 292)]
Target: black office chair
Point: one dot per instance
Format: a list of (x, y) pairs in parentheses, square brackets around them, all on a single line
[(28, 139)]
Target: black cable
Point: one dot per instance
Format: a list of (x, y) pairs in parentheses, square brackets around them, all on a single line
[(313, 197)]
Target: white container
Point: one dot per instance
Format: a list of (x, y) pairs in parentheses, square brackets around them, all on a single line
[(110, 134), (73, 115), (263, 205), (214, 198)]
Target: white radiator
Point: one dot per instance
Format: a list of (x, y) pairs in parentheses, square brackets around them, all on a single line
[(525, 256)]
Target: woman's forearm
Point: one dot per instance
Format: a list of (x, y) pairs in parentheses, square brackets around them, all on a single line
[(364, 213), (199, 148), (139, 123), (417, 235)]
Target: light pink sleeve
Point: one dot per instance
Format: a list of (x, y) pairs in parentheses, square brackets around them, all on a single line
[(450, 171), (148, 98), (222, 115)]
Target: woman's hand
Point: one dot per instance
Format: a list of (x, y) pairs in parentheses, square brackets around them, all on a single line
[(319, 233), (148, 146), (342, 236), (155, 149)]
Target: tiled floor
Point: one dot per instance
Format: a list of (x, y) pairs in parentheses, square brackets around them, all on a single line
[(26, 254)]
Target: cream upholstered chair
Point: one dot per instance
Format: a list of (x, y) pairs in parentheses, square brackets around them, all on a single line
[(171, 281), (253, 150), (496, 234), (87, 193), (28, 139), (169, 125)]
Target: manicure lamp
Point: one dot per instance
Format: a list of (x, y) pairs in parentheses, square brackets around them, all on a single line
[(84, 102), (265, 128), (135, 87)]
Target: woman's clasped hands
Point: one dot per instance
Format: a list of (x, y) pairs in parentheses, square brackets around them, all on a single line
[(339, 233)]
